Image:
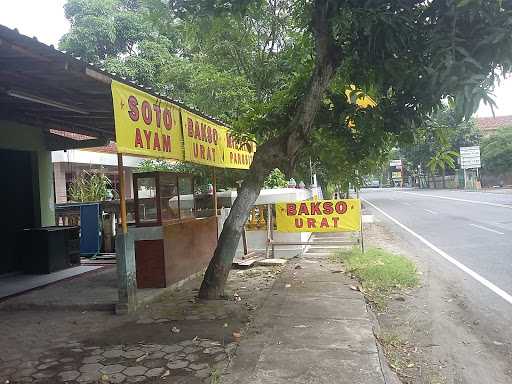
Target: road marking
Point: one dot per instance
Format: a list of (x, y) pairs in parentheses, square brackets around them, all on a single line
[(486, 229), (482, 280), (429, 211), (404, 203), (463, 200)]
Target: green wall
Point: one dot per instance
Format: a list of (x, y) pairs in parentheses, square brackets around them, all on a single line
[(46, 187), (21, 137)]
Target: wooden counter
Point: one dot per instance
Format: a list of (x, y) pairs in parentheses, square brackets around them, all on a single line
[(183, 249)]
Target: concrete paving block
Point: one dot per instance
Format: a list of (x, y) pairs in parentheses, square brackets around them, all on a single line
[(198, 366), (111, 353), (88, 377), (39, 375), (190, 349), (154, 363), (157, 355), (155, 372), (172, 348), (46, 365), (328, 307), (25, 372), (113, 368), (97, 351), (352, 334), (10, 364), (67, 360), (306, 365), (27, 364), (92, 359), (91, 368), (133, 354), (192, 357), (136, 379), (116, 378), (135, 371), (178, 364), (68, 375)]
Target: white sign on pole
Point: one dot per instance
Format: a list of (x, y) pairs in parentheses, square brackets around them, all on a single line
[(470, 157), (395, 163)]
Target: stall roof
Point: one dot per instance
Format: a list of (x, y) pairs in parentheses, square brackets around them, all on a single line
[(44, 87)]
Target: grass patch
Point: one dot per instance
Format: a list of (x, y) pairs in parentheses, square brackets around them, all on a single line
[(379, 272)]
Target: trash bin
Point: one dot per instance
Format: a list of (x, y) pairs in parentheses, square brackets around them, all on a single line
[(49, 249)]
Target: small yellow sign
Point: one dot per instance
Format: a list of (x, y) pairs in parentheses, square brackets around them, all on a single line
[(146, 125), (319, 216), (203, 140), (236, 154)]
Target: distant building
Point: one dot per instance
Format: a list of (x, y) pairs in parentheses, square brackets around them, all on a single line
[(489, 125), (68, 164)]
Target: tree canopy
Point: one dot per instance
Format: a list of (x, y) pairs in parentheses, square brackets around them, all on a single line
[(441, 135), (497, 152), (280, 69)]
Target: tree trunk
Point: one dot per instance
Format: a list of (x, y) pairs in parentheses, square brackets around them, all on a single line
[(282, 150), (217, 272), (444, 177)]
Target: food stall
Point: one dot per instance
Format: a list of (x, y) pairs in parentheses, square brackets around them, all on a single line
[(186, 232)]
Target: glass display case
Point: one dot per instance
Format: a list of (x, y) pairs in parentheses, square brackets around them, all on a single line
[(162, 197)]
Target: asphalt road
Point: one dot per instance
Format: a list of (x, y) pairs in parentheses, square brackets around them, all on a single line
[(464, 240)]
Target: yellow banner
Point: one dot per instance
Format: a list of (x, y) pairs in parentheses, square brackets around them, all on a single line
[(203, 140), (319, 216), (236, 154), (146, 125)]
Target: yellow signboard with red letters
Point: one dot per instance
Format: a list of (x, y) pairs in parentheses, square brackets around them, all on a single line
[(146, 125), (237, 154), (149, 126), (319, 216), (203, 140)]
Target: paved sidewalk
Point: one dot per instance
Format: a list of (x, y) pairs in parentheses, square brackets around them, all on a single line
[(312, 328)]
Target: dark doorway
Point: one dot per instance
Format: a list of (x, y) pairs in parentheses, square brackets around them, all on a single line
[(16, 205)]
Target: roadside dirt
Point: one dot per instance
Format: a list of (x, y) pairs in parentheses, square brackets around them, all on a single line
[(432, 334)]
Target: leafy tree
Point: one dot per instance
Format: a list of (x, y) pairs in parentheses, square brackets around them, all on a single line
[(441, 159), (276, 179), (296, 60), (441, 133), (497, 152)]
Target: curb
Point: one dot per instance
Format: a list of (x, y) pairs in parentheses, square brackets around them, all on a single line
[(390, 377)]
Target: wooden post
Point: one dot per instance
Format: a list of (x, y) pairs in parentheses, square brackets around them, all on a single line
[(214, 195), (361, 234), (269, 235), (214, 183), (244, 241), (122, 196)]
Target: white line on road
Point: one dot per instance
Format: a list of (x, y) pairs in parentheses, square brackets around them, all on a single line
[(463, 200), (482, 280), (404, 203), (486, 229), (429, 211)]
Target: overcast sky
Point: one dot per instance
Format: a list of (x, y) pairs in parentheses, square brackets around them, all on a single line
[(45, 20)]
